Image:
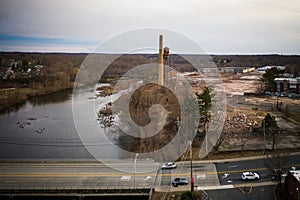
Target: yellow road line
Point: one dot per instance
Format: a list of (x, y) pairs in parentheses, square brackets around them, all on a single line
[(124, 174), (72, 175), (72, 164)]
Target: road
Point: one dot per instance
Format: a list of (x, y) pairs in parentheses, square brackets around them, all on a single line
[(234, 169), (76, 175), (145, 174)]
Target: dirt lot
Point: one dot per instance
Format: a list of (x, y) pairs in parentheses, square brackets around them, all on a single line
[(242, 133), (242, 129)]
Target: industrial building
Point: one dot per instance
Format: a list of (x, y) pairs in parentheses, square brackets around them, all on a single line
[(286, 86)]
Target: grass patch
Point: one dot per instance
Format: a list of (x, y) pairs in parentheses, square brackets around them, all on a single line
[(294, 115)]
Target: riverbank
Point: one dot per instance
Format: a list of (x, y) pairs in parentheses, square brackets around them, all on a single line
[(10, 97)]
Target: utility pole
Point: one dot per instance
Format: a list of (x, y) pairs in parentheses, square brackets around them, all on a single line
[(161, 62), (136, 155), (205, 128), (264, 127), (191, 159)]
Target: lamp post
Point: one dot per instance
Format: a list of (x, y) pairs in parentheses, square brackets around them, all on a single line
[(134, 170)]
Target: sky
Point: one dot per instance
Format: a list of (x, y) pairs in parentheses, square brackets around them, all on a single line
[(218, 26)]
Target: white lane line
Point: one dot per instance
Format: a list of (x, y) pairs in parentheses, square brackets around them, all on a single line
[(103, 181), (202, 176), (125, 178)]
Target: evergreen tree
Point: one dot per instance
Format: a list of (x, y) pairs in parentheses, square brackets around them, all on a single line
[(269, 77)]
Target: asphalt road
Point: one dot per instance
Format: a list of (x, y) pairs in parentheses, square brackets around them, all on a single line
[(250, 193), (97, 175), (234, 169), (144, 174), (76, 175)]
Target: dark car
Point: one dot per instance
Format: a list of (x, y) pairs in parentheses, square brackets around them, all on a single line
[(180, 181)]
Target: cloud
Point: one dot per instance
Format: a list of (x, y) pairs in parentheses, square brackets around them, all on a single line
[(220, 26), (69, 49)]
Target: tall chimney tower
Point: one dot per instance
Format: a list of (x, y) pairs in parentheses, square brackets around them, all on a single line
[(161, 62)]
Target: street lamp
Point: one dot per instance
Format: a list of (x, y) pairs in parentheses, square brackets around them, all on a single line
[(136, 155)]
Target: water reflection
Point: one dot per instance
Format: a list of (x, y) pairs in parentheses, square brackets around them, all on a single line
[(52, 98), (43, 128), (14, 108)]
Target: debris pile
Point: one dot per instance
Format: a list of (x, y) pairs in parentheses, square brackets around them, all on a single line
[(238, 123)]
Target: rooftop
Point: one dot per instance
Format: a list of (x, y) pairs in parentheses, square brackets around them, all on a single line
[(296, 174)]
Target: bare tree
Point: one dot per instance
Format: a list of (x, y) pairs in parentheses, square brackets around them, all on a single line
[(276, 163)]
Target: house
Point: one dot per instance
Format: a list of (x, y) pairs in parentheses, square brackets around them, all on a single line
[(263, 69), (240, 70), (9, 74)]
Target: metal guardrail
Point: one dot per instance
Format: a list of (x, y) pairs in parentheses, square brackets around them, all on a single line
[(79, 193), (75, 190)]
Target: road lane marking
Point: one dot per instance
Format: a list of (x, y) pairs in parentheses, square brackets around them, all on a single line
[(77, 164), (202, 176), (118, 175), (125, 178), (148, 178)]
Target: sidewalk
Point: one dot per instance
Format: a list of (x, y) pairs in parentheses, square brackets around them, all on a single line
[(250, 193), (234, 159), (217, 187)]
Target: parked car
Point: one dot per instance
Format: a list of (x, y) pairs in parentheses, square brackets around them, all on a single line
[(249, 176), (169, 165), (179, 181)]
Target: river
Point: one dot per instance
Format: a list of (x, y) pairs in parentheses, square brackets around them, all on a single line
[(43, 129)]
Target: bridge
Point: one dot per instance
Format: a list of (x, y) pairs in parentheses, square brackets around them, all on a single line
[(72, 193), (85, 180)]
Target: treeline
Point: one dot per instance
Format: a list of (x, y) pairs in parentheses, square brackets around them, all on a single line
[(56, 71), (291, 62), (179, 63), (61, 68)]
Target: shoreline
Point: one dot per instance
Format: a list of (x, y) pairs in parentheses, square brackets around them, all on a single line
[(24, 94)]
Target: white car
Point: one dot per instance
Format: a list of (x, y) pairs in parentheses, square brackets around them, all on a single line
[(250, 176), (169, 165)]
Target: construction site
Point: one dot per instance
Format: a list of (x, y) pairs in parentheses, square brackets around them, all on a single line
[(246, 108)]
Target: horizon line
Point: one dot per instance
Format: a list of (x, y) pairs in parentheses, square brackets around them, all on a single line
[(148, 53)]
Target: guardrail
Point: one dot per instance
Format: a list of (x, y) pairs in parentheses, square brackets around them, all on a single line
[(80, 193)]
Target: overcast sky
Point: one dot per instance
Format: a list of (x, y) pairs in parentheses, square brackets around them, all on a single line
[(219, 26)]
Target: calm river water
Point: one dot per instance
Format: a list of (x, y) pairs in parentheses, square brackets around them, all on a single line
[(43, 128)]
